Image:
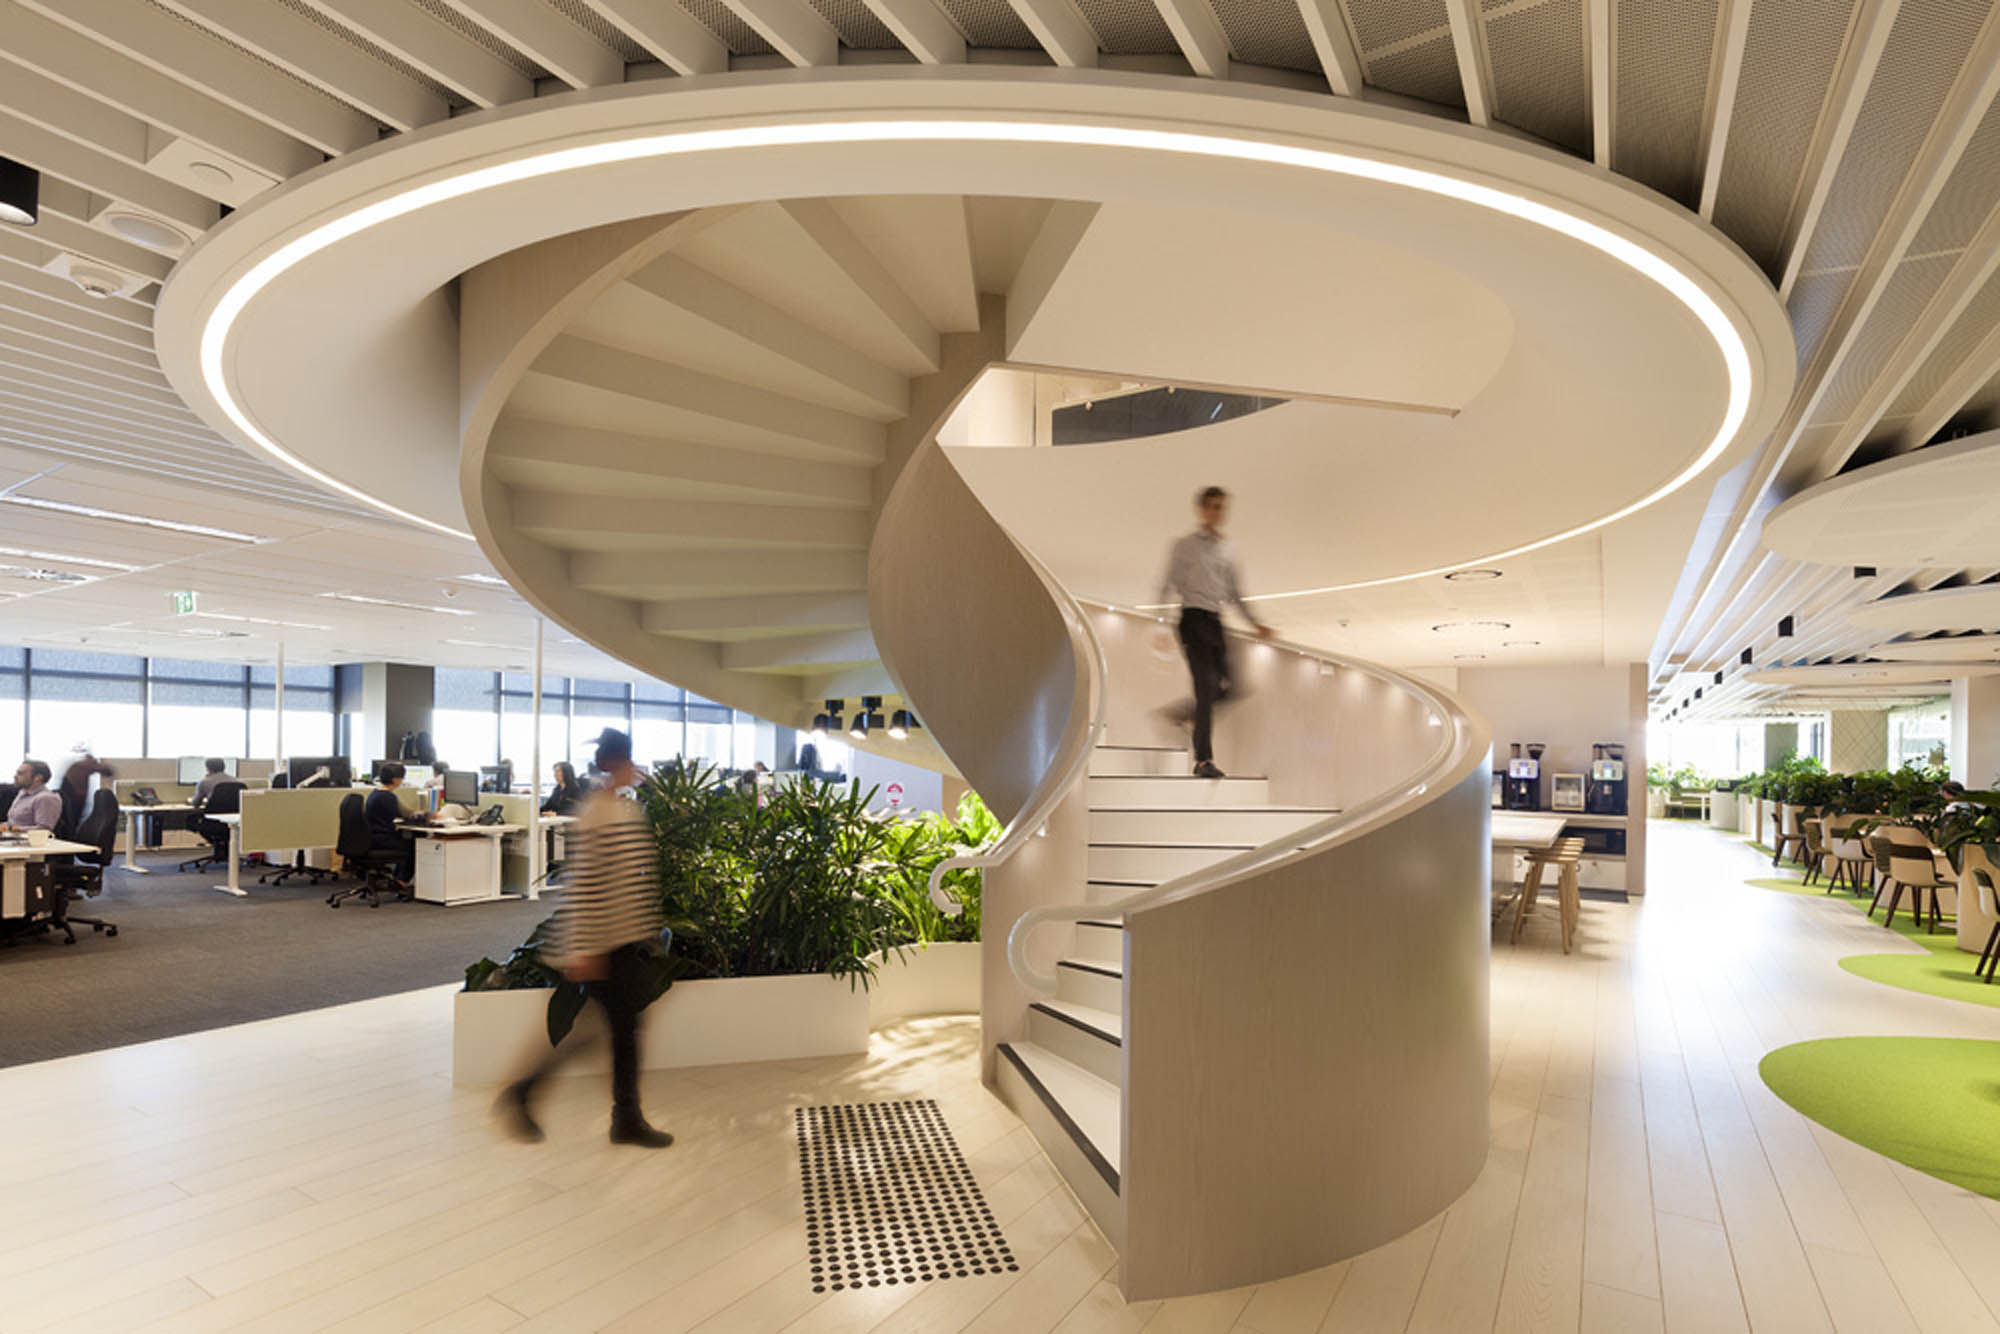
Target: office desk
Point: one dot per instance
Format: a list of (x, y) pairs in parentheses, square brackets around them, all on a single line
[(133, 815), (1514, 829), (15, 858), (235, 823), (459, 863)]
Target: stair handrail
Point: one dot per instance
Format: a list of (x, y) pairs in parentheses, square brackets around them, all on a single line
[(1454, 726), (1059, 779)]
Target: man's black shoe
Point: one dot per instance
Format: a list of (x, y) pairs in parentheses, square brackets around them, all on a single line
[(1207, 769)]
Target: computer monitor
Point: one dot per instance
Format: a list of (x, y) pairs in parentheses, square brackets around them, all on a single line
[(495, 777), (461, 786), (306, 771), (192, 769)]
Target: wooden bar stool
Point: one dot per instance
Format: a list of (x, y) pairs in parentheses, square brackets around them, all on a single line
[(1540, 860)]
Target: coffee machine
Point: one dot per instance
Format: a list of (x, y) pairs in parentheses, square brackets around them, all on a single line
[(1524, 778), (1606, 793)]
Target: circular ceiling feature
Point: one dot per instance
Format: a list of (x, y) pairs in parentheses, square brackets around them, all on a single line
[(145, 229), (1968, 607), (1932, 508), (1959, 648), (1865, 673)]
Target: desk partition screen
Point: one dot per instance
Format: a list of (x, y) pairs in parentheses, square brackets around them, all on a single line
[(308, 818)]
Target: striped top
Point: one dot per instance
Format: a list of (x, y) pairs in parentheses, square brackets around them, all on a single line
[(611, 896)]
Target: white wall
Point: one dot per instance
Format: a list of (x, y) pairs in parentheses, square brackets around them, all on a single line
[(1571, 708), (923, 789)]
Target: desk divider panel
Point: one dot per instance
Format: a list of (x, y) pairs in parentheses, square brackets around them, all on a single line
[(281, 820)]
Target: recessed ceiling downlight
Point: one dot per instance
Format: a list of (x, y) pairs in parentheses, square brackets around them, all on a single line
[(1468, 657), (1520, 643), (1447, 627), (1472, 576), (145, 229), (20, 193), (1077, 132)]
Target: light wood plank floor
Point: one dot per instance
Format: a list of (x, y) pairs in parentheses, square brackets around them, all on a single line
[(319, 1172)]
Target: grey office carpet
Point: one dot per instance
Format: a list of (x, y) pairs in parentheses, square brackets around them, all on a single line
[(187, 958)]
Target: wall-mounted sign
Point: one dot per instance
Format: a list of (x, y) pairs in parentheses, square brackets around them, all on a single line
[(894, 792), (184, 602)]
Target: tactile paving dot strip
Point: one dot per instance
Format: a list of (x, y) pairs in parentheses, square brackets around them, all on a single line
[(890, 1200)]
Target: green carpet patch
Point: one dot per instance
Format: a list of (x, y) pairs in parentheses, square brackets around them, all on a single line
[(1929, 1103), (1787, 886), (1943, 969), (1753, 843)]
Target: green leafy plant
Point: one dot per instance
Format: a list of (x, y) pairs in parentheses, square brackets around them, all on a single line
[(804, 879)]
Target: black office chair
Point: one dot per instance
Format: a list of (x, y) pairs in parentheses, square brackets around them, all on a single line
[(82, 876), (226, 799), (358, 853)]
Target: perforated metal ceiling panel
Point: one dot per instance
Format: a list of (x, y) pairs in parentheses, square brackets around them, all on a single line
[(1541, 71), (1129, 27), (354, 39), (1969, 196), (1664, 51), (1926, 49), (1915, 282), (991, 23), (1381, 23), (857, 25), (724, 22), (1428, 70), (456, 21), (586, 18), (1814, 299), (1268, 32), (1788, 59), (1980, 318)]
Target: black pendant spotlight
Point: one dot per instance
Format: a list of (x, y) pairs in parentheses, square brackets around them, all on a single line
[(901, 722), (867, 716), (823, 723), (20, 193)]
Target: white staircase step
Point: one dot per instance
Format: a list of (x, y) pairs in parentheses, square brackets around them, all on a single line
[(1155, 862), (1140, 761), (1217, 824), (1091, 982), (1111, 893), (1182, 792), (1083, 1035), (1087, 1107), (1101, 939)]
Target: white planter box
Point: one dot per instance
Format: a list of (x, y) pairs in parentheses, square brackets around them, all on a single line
[(1746, 816), (496, 1035), (934, 979), (1722, 809)]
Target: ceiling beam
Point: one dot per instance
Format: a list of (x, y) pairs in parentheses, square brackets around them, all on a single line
[(21, 269), (1339, 60), (440, 51), (672, 35), (1597, 38), (156, 38), (60, 389), (58, 358), (716, 302), (547, 38), (100, 173), (794, 29), (925, 29), (1199, 35), (1061, 29), (1732, 34), (1846, 91), (1980, 366), (819, 221), (309, 52), (75, 60), (697, 617), (34, 314), (873, 679), (67, 232), (1475, 69)]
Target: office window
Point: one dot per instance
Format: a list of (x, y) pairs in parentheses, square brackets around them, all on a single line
[(85, 701), (1918, 734), (13, 707), (710, 734), (309, 715), (465, 717), (594, 706), (658, 719), (517, 704), (196, 708)]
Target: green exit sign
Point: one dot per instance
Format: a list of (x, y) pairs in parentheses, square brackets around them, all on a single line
[(184, 602)]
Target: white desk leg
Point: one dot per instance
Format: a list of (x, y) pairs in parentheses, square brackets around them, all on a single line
[(132, 819), (235, 885)]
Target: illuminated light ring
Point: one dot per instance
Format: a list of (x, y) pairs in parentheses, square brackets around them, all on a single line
[(1735, 355)]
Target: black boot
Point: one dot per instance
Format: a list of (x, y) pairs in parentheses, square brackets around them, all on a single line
[(512, 1107), (628, 1126)]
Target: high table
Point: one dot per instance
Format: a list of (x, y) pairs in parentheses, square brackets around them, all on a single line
[(1525, 830), (133, 815), (15, 858), (235, 823)]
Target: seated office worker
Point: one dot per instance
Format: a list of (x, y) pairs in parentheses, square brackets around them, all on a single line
[(36, 804), (209, 781), (385, 816)]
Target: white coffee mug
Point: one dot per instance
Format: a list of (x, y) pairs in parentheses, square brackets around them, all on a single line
[(37, 837)]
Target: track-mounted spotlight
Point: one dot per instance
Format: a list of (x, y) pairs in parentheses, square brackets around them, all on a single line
[(869, 715), (900, 723), (828, 722), (20, 193)]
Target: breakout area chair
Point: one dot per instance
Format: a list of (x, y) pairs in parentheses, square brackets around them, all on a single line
[(1849, 853), (1989, 956), (1916, 870), (83, 875), (227, 799), (1563, 855), (374, 867), (1788, 835), (1815, 831)]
